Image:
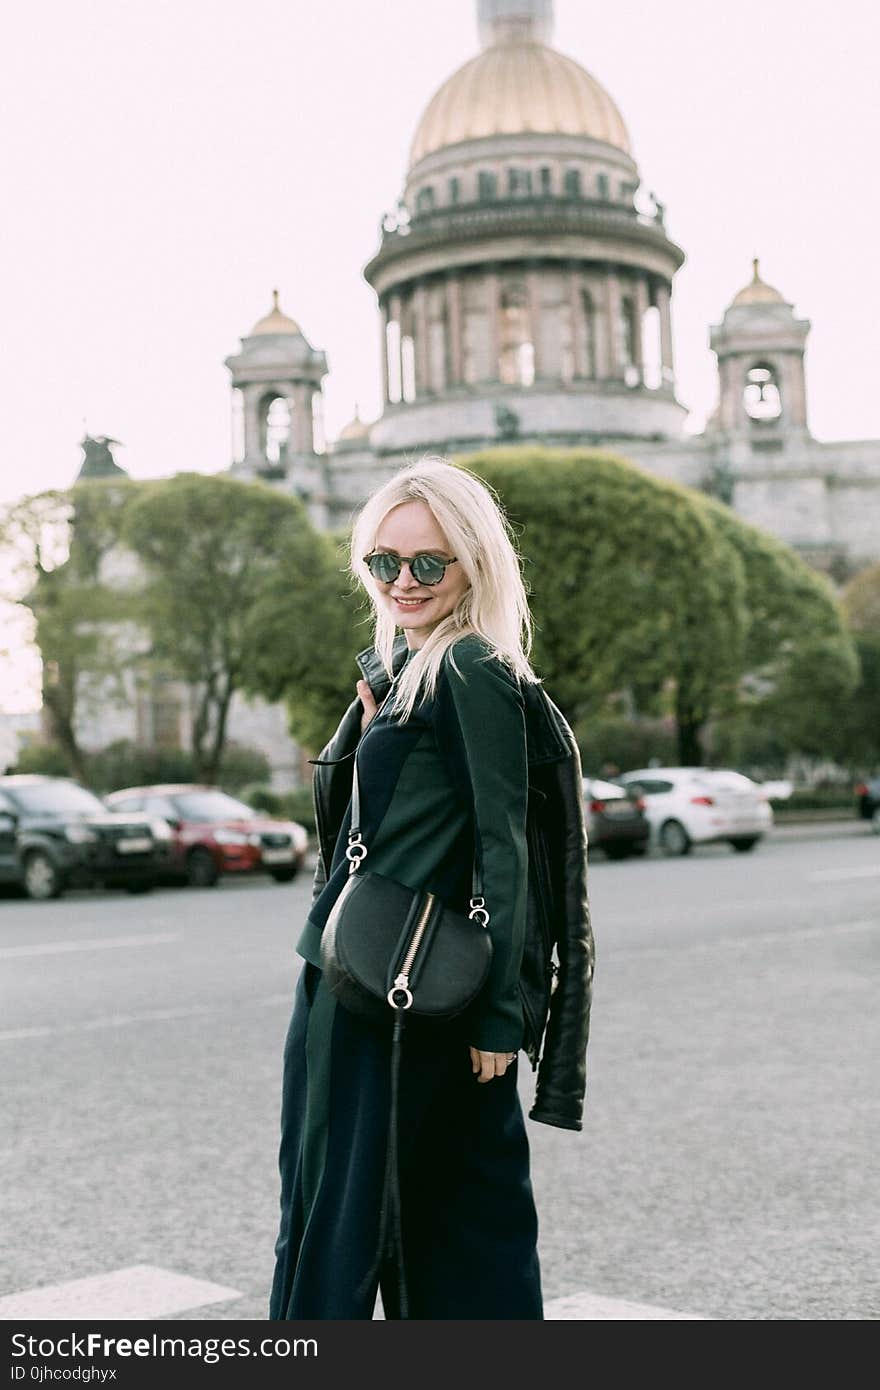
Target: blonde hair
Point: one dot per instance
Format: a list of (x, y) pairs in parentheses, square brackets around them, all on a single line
[(494, 607)]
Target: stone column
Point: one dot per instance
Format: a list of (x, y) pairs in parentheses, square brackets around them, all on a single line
[(642, 305), (383, 317), (533, 289), (793, 391), (612, 325), (662, 300), (301, 439), (420, 334), (578, 323), (493, 316), (394, 316), (251, 397), (455, 345)]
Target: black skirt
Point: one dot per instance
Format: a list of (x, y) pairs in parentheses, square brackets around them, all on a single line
[(469, 1226)]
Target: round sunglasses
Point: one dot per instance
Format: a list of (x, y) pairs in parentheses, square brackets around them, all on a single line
[(428, 569)]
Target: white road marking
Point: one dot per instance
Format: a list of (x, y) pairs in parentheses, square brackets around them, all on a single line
[(105, 943), (834, 875), (138, 1292), (591, 1307), (92, 1025)]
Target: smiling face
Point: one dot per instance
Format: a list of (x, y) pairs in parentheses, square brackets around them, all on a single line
[(408, 529)]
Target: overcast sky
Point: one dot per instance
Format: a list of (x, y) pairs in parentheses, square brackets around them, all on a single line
[(167, 164)]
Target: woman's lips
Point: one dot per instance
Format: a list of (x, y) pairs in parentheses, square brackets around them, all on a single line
[(413, 605)]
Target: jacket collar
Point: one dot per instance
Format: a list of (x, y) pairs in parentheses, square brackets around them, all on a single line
[(546, 741)]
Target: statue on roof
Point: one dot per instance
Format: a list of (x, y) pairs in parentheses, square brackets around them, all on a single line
[(98, 460)]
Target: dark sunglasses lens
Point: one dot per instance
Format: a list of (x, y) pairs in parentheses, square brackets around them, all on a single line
[(428, 569), (384, 567)]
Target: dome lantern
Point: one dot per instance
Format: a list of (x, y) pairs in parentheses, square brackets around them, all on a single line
[(511, 21)]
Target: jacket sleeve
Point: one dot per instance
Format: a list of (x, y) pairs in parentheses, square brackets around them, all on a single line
[(481, 733)]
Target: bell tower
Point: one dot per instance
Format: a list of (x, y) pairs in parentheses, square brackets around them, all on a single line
[(760, 347), (277, 405)]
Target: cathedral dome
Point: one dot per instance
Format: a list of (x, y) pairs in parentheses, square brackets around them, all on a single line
[(518, 86), (757, 291), (274, 322)]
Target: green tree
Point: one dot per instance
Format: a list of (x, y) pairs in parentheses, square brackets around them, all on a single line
[(800, 661), (213, 551), (631, 585), (57, 544)]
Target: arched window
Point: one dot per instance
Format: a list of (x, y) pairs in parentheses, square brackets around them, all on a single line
[(425, 200), (761, 397), (276, 429), (572, 183), (652, 361), (626, 335), (517, 365), (487, 186)]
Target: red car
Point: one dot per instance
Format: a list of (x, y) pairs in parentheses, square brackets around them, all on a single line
[(214, 834)]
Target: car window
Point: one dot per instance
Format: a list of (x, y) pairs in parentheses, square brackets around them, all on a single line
[(57, 799), (161, 806), (211, 806), (126, 803), (651, 786), (6, 806), (607, 790)]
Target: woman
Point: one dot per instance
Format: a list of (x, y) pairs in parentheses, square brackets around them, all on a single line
[(443, 772)]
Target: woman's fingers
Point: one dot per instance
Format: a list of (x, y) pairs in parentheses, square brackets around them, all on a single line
[(487, 1065), (368, 701)]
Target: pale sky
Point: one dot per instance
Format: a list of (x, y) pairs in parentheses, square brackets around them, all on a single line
[(167, 164)]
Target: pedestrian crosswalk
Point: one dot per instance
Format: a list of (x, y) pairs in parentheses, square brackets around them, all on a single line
[(147, 1292)]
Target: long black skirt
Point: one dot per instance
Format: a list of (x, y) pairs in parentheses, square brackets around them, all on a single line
[(469, 1226)]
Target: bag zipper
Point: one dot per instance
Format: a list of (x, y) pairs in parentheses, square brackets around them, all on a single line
[(401, 983)]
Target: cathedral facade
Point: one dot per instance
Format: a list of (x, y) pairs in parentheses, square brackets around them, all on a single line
[(525, 293)]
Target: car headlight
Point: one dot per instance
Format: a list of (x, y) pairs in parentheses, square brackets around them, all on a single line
[(230, 837), (161, 830), (80, 835)]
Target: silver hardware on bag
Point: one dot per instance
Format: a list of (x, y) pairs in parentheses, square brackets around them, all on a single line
[(356, 851), (479, 911)]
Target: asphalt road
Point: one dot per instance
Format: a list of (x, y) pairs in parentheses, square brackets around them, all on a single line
[(727, 1167)]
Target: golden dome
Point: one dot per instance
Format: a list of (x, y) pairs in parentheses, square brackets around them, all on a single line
[(757, 291), (356, 428), (517, 88), (274, 322)]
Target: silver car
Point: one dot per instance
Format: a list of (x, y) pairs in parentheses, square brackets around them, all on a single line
[(689, 806)]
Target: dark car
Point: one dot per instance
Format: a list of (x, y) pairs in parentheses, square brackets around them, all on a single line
[(215, 834), (868, 802), (615, 819), (55, 834)]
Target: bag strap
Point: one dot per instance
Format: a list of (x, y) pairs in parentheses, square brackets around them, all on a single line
[(356, 851)]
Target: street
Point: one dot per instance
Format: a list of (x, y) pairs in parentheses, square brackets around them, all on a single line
[(727, 1168)]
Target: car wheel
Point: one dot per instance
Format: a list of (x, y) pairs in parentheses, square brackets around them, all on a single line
[(201, 871), (673, 839), (743, 843), (283, 875), (41, 877), (875, 821)]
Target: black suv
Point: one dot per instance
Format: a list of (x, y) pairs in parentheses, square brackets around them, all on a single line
[(868, 801), (54, 834)]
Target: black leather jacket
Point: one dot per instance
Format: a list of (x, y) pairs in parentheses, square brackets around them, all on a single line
[(557, 967)]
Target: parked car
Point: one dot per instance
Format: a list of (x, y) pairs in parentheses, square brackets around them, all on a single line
[(868, 802), (55, 834), (214, 834), (615, 818), (689, 806)]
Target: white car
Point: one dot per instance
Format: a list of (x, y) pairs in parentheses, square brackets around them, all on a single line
[(689, 806)]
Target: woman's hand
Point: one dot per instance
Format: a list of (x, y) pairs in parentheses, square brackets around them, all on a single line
[(487, 1065), (367, 699)]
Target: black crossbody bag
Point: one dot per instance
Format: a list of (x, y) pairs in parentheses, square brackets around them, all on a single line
[(387, 949)]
